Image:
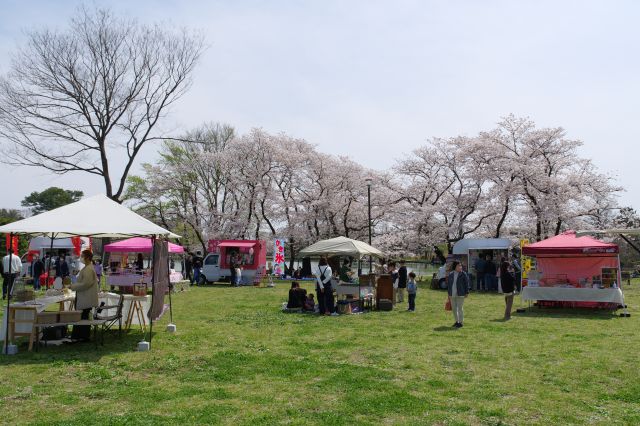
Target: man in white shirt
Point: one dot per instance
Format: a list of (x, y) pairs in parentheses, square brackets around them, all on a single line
[(16, 269)]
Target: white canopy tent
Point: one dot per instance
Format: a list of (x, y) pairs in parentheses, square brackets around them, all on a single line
[(623, 233), (463, 246), (341, 246), (96, 216)]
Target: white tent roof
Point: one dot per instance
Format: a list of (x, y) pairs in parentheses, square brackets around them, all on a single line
[(613, 231), (97, 216), (463, 246), (341, 246)]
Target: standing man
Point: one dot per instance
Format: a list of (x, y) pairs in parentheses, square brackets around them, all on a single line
[(8, 278), (490, 272), (38, 269), (402, 281), (197, 266), (481, 267)]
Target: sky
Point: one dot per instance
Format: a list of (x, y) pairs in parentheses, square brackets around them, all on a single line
[(374, 80)]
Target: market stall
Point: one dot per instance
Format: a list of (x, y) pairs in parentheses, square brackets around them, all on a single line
[(97, 216), (469, 250), (573, 271), (122, 274), (363, 288)]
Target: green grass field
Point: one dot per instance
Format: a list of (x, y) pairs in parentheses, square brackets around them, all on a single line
[(236, 359)]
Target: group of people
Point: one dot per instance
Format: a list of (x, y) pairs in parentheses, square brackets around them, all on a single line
[(298, 297), (192, 266), (458, 286), (487, 272)]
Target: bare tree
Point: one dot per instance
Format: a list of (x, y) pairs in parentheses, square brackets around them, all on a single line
[(89, 98)]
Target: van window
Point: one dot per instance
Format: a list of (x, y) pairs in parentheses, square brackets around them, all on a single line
[(211, 260)]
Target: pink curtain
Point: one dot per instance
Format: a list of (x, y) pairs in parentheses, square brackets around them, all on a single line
[(574, 267)]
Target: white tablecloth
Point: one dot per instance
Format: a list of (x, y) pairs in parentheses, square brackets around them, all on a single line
[(608, 295), (127, 280), (112, 299)]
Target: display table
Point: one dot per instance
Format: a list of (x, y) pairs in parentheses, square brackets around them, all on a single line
[(22, 314), (572, 294), (350, 289)]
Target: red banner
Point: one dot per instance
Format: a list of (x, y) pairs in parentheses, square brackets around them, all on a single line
[(14, 244), (77, 245)]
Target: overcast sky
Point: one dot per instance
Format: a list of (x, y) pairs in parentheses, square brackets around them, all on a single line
[(374, 79)]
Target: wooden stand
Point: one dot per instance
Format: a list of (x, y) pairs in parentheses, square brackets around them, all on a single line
[(136, 308), (384, 288)]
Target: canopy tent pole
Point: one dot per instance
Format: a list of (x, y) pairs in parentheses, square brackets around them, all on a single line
[(9, 291), (153, 283), (630, 243), (169, 282)]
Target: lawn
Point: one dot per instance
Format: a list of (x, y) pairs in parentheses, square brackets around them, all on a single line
[(236, 359)]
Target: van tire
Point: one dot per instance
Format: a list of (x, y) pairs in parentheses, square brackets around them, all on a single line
[(202, 280)]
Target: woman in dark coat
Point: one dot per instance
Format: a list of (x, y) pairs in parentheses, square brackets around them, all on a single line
[(458, 289), (507, 281)]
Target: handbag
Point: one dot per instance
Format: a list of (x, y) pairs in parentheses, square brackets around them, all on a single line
[(447, 304)]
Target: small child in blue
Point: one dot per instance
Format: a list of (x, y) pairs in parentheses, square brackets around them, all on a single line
[(412, 289)]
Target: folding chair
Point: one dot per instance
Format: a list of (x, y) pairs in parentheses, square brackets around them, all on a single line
[(111, 318)]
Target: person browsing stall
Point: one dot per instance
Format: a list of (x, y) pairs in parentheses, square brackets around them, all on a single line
[(412, 290), (402, 281), (323, 286), (9, 278), (345, 271), (86, 288), (507, 281)]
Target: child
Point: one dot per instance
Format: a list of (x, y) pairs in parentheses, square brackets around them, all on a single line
[(310, 303), (238, 275), (412, 289)]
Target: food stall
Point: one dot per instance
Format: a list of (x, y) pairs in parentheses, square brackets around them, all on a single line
[(364, 289), (469, 250), (251, 255), (120, 272), (574, 271)]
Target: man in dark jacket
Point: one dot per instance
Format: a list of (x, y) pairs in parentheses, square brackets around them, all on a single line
[(38, 269), (402, 281), (481, 268)]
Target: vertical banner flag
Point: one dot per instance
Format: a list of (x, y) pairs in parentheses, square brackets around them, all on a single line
[(278, 257), (525, 261), (12, 242)]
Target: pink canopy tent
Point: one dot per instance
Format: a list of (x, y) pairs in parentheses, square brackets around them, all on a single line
[(138, 245), (574, 257)]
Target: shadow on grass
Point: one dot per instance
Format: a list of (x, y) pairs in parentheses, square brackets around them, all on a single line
[(444, 328), (78, 352), (575, 313)]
